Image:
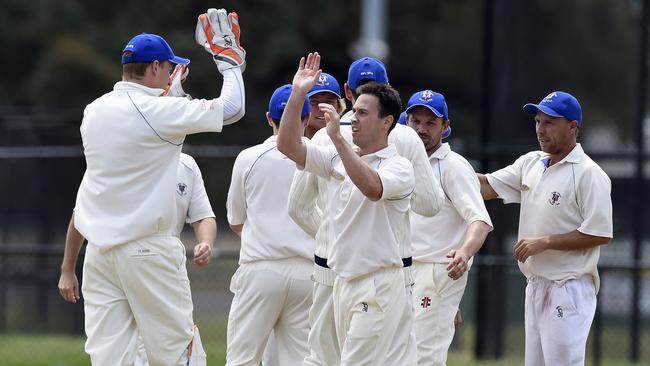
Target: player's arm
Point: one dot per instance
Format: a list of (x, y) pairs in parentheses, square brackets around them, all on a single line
[(237, 229), (574, 240), (487, 191), (290, 135), (205, 231), (301, 202), (68, 283), (472, 243)]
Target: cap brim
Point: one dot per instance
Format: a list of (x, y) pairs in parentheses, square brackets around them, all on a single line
[(435, 111), (180, 60), (314, 92), (532, 109)]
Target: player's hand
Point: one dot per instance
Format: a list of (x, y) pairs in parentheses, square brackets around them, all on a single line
[(308, 73), (219, 33), (69, 287), (333, 120), (458, 263), (458, 320), (527, 247), (202, 254), (175, 87)]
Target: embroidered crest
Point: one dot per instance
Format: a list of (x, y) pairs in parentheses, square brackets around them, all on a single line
[(181, 189), (555, 199), (426, 96), (364, 307), (322, 80), (560, 313), (426, 302), (549, 98)]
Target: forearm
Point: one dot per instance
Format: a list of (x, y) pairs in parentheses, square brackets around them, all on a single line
[(475, 236), (573, 240), (290, 133), (487, 191), (237, 229), (205, 231), (362, 175), (73, 242), (233, 96), (301, 203)]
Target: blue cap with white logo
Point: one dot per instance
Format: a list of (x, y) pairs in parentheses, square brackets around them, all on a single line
[(435, 102), (148, 48), (366, 68), (326, 84), (279, 101), (557, 104)]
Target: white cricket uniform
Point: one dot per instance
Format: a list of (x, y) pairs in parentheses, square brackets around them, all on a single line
[(371, 308), (309, 194), (436, 296), (134, 269), (272, 285), (192, 205), (573, 194)]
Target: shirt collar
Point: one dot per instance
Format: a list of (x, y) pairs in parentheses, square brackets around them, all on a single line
[(575, 156), (384, 153), (273, 138), (127, 86), (441, 152)]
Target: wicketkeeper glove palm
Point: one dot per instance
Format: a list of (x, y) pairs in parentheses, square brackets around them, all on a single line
[(219, 32), (175, 87)]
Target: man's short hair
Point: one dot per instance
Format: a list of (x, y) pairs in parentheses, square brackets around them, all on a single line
[(390, 103), (134, 70)]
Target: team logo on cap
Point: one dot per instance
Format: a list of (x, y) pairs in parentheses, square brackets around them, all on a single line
[(367, 73), (549, 98), (322, 80), (555, 199), (181, 189), (426, 96)]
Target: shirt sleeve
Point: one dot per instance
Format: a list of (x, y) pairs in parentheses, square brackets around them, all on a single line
[(595, 203), (506, 182), (319, 160), (236, 201), (199, 207), (174, 118), (397, 179), (302, 202), (464, 191)]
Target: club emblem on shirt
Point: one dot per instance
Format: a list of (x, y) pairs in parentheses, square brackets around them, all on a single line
[(555, 199), (364, 307), (560, 313), (181, 189), (426, 302)]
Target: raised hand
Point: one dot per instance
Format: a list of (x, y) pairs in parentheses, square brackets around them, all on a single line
[(332, 119), (308, 73)]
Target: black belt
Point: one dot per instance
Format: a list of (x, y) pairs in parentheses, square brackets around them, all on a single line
[(407, 262)]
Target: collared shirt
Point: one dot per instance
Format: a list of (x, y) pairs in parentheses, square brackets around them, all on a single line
[(192, 203), (364, 235), (257, 198), (573, 194), (132, 140), (434, 237)]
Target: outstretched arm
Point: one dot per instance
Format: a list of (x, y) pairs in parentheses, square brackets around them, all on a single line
[(290, 134), (487, 191)]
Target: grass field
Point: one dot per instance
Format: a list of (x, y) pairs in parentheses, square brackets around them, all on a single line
[(45, 350)]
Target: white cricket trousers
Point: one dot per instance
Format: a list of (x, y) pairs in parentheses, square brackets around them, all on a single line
[(269, 295), (374, 319), (558, 318), (137, 288), (323, 343), (436, 298)]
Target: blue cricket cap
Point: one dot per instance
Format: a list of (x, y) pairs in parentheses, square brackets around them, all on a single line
[(326, 84), (402, 118), (150, 47), (446, 133), (279, 101), (366, 68), (557, 104), (435, 102)]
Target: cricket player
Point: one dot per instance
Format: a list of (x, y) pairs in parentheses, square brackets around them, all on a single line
[(272, 285), (135, 281), (193, 207), (442, 257), (565, 216), (308, 200), (369, 197)]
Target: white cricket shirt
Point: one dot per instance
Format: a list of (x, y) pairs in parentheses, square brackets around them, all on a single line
[(364, 235), (192, 203), (257, 198), (433, 237), (573, 194), (132, 140)]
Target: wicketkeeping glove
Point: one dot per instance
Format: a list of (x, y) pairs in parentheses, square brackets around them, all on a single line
[(175, 87), (218, 32)]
